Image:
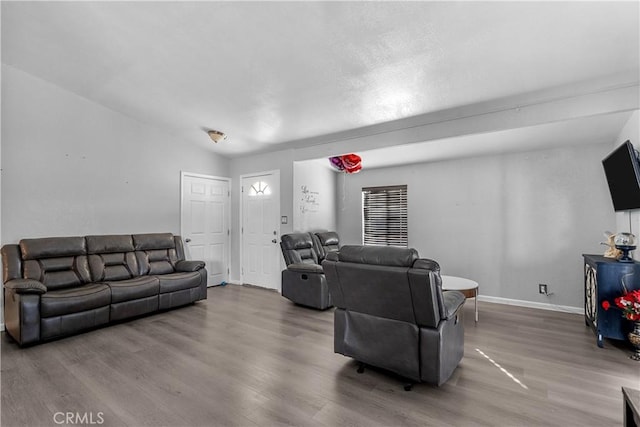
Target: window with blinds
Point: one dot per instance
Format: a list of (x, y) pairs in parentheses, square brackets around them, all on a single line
[(384, 216)]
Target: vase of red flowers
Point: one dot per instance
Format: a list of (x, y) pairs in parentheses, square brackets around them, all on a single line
[(629, 303)]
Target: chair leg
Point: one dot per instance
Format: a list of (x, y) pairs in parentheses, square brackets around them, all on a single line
[(360, 367), (408, 387)]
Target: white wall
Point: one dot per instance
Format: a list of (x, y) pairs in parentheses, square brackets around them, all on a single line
[(509, 221), (72, 167), (314, 196), (631, 132), (1, 97)]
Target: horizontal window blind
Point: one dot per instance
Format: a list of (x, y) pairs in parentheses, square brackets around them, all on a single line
[(384, 213)]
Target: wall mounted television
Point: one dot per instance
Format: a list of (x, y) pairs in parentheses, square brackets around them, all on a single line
[(622, 170)]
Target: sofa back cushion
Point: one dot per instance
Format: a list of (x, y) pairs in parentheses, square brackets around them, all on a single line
[(111, 257), (378, 255), (376, 290), (57, 262), (328, 241), (298, 248), (155, 253)]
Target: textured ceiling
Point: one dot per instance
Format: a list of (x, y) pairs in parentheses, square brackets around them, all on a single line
[(267, 73)]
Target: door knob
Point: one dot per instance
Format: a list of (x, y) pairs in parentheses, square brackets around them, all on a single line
[(274, 241), (187, 240)]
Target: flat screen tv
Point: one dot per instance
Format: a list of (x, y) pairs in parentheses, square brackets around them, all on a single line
[(623, 175)]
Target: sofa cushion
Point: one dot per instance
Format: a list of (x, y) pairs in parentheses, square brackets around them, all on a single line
[(57, 262), (160, 261), (52, 247), (328, 238), (111, 257), (58, 273), (306, 268), (178, 281), (378, 255), (115, 266), (298, 248), (151, 241), (156, 253), (73, 300), (139, 287), (109, 244), (329, 242)]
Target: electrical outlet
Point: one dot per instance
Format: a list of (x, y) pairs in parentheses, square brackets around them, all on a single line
[(542, 288)]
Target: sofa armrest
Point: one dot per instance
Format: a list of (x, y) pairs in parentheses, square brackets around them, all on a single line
[(332, 256), (453, 300), (26, 286), (306, 268), (426, 264), (187, 266)]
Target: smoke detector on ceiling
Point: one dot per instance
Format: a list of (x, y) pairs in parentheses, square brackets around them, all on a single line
[(216, 135)]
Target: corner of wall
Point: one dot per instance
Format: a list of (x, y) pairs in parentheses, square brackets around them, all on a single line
[(630, 131)]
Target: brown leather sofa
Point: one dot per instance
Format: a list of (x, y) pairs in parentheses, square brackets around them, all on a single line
[(58, 286)]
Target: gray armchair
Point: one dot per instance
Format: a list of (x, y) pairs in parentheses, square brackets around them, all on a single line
[(391, 312), (303, 280)]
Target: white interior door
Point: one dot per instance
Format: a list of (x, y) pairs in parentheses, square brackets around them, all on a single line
[(261, 230), (204, 224)]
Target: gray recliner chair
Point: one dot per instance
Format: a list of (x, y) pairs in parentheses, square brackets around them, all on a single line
[(303, 280), (391, 312)]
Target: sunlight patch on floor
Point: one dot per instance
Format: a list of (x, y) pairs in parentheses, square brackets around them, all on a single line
[(504, 371)]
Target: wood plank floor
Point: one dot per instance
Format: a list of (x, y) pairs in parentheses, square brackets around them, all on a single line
[(248, 357)]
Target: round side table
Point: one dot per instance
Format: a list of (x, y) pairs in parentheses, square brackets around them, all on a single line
[(468, 287)]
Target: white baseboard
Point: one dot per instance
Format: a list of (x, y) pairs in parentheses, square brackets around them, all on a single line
[(507, 301), (229, 282), (531, 304)]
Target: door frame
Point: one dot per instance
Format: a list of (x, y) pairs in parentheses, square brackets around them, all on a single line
[(218, 178), (276, 174)]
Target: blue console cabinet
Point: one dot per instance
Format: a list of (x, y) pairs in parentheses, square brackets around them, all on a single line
[(603, 279)]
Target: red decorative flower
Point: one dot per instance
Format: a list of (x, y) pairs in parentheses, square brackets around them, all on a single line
[(629, 303)]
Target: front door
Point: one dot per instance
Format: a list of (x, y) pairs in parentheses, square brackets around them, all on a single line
[(261, 229), (204, 223)]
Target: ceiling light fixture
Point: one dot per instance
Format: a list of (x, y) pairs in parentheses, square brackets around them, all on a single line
[(216, 135)]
